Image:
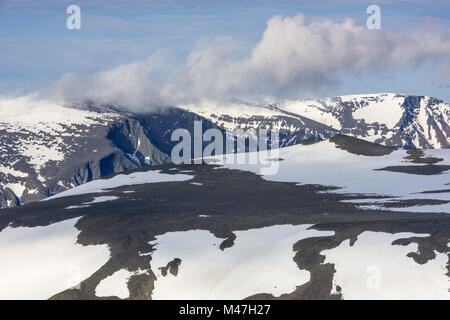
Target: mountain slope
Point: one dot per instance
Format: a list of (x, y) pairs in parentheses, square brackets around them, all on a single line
[(46, 148), (388, 119), (292, 128)]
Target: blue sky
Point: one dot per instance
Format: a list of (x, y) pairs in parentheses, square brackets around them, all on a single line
[(37, 48)]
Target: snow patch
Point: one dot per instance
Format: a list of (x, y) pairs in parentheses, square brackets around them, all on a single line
[(384, 109), (96, 200), (102, 185), (260, 261), (13, 172), (114, 285), (40, 262), (375, 269), (18, 188)]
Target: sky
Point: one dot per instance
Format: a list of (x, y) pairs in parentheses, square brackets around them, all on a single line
[(180, 51)]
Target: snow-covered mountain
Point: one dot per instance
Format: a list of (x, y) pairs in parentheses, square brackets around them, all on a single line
[(293, 128), (46, 148), (389, 119)]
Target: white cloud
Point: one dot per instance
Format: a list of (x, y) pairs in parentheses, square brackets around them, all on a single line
[(295, 56), (132, 85)]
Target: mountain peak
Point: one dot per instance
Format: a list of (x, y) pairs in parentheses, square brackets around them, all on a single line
[(390, 119)]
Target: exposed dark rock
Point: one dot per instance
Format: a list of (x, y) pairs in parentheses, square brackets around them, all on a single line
[(426, 170), (172, 267), (360, 147)]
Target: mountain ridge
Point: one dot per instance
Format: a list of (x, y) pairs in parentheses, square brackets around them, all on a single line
[(47, 148), (407, 121)]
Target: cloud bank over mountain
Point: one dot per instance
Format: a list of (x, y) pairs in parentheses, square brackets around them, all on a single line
[(295, 56)]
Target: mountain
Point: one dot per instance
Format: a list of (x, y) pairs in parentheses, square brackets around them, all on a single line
[(389, 119), (46, 148), (293, 128), (339, 219)]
